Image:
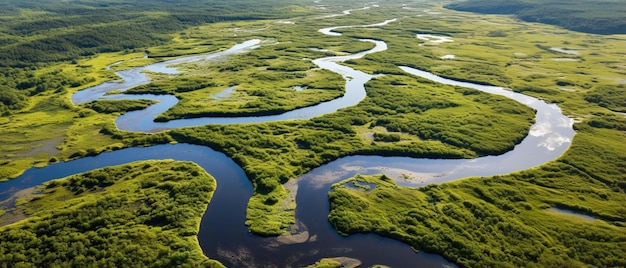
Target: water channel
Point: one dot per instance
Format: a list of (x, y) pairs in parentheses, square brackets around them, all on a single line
[(223, 235)]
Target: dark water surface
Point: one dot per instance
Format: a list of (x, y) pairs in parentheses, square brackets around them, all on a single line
[(223, 233)]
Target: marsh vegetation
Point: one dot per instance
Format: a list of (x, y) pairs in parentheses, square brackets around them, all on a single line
[(144, 213), (504, 220), (492, 221)]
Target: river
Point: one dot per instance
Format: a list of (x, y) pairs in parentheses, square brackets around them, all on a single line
[(223, 235)]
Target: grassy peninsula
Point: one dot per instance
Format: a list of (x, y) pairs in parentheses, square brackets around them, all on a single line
[(505, 221), (140, 214)]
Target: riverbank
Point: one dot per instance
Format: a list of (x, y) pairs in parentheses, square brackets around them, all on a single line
[(480, 221)]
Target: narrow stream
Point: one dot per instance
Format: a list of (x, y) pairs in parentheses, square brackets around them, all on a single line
[(223, 235)]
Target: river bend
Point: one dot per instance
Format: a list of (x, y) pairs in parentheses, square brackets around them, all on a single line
[(228, 239)]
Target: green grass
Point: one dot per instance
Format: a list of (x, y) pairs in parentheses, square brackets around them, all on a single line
[(50, 127), (139, 214), (263, 79), (505, 220), (610, 97), (118, 106)]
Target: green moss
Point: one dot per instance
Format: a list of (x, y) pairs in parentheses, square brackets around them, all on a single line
[(110, 106), (326, 263)]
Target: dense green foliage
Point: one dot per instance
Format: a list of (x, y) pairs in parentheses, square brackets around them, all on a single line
[(598, 16), (611, 97), (464, 130), (11, 99), (254, 92), (506, 221), (48, 31), (18, 85), (116, 106), (141, 214)]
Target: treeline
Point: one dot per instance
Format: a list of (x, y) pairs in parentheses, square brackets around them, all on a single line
[(143, 214), (11, 99), (18, 85), (59, 31), (597, 16), (67, 46)]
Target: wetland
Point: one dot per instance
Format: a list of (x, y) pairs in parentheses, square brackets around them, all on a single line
[(493, 116)]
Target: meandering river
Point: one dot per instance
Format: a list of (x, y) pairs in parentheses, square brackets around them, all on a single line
[(223, 235)]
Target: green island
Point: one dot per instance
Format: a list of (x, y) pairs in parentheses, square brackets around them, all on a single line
[(50, 50)]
